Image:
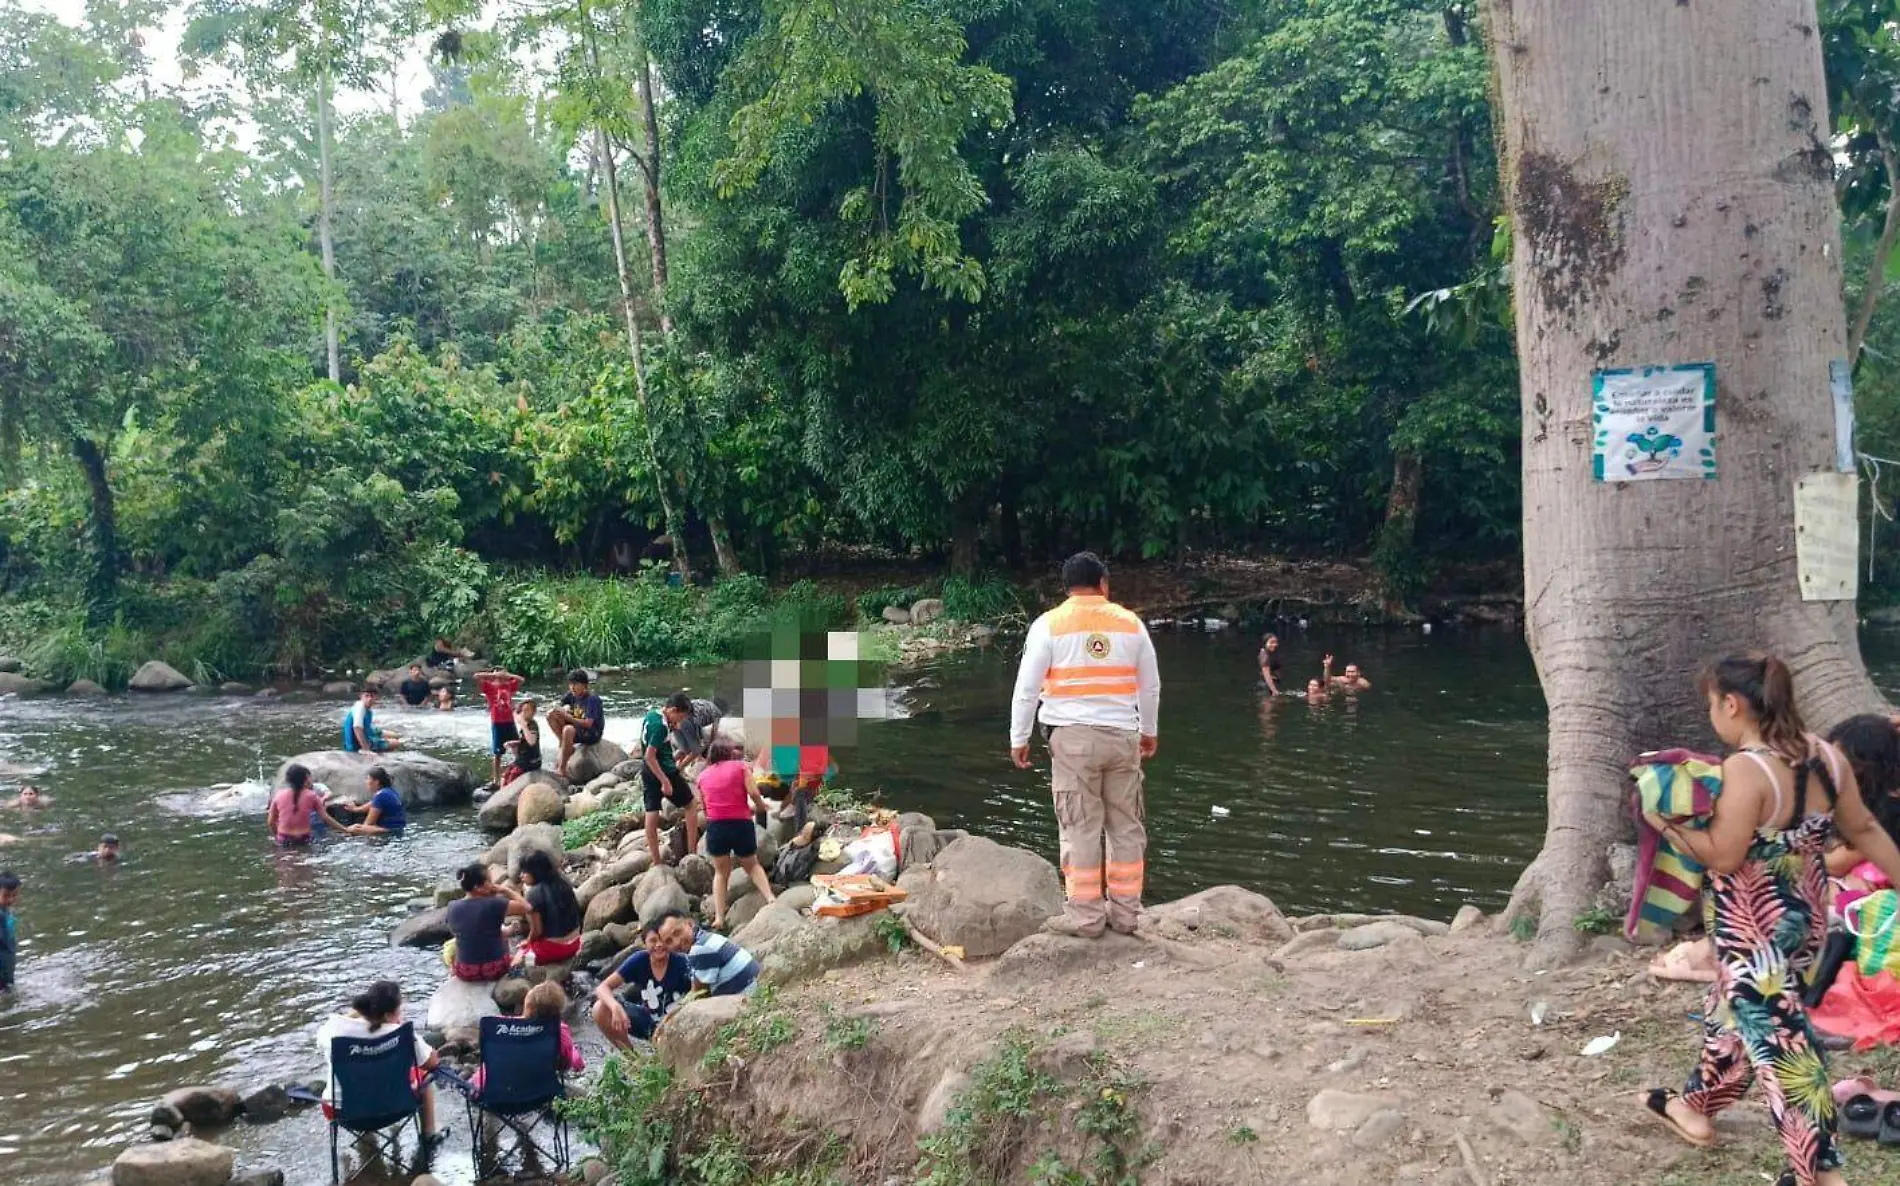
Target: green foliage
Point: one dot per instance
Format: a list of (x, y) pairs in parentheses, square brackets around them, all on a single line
[(627, 1115), (892, 931), (988, 1120), (70, 650), (992, 601), (765, 1025), (1597, 921), (1524, 928), (584, 830), (845, 1033)]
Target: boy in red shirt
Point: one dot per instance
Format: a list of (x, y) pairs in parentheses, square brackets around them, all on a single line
[(498, 687)]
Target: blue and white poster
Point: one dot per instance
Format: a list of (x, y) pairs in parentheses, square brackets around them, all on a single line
[(1654, 422)]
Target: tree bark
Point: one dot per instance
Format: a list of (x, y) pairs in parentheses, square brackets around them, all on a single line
[(965, 535), (650, 168), (326, 198), (637, 349), (1669, 183), (102, 585), (1398, 533), (1883, 250)]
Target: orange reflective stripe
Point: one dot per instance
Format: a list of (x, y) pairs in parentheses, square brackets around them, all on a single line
[(1093, 671), (1082, 884), (1085, 615), (1120, 687), (1124, 879)]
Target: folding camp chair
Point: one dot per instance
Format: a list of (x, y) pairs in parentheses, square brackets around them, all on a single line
[(521, 1087), (375, 1094)]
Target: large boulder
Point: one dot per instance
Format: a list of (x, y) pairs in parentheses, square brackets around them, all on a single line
[(580, 804), (651, 882), (816, 946), (589, 762), (696, 874), (619, 871), (667, 897), (926, 611), (207, 1106), (613, 904), (742, 912), (982, 896), (418, 778), (539, 803), (430, 928), (545, 838), (459, 1005), (13, 683), (1228, 912), (84, 687), (691, 1030), (766, 927), (501, 811), (185, 1162), (156, 676)]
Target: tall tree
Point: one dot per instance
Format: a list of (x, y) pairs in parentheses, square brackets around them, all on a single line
[(305, 48), (1670, 184)]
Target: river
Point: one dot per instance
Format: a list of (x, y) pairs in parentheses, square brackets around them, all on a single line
[(208, 957)]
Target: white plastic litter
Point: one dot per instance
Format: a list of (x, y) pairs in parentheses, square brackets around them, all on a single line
[(1219, 812), (1539, 1011), (1601, 1045)]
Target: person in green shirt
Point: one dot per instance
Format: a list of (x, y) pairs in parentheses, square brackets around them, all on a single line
[(660, 779)]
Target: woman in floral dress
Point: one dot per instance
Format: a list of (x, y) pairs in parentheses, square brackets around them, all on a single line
[(1784, 792)]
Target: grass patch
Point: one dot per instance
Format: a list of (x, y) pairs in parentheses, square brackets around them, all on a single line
[(1597, 921), (1139, 1027), (1523, 928), (626, 1117), (581, 832), (891, 930), (1240, 1134), (1108, 1117), (989, 1120), (762, 1027), (844, 1032)]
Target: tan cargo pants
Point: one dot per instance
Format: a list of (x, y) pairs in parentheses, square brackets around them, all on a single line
[(1097, 785)]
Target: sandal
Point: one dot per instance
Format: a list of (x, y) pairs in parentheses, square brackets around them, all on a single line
[(1860, 1118), (1657, 1103), (1889, 1133)]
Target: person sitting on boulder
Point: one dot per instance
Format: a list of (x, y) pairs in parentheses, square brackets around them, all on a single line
[(444, 654), (633, 1001), (580, 719), (481, 950), (730, 797), (720, 967), (379, 1008), (498, 687), (661, 780), (295, 808), (414, 690), (382, 815), (360, 734), (545, 1002), (554, 919), (524, 752)]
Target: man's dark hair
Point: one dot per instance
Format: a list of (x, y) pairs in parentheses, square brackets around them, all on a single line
[(579, 676), (9, 881), (680, 702), (667, 916), (109, 838), (1084, 570)]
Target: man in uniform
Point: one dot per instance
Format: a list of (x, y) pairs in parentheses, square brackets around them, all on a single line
[(1092, 667)]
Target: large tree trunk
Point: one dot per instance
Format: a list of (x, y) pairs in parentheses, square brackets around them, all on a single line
[(656, 223), (1398, 535), (1670, 190), (102, 585), (326, 205), (636, 348)]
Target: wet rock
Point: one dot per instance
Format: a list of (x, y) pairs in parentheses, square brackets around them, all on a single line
[(1229, 912), (1373, 934), (161, 1132), (588, 761), (13, 683), (926, 611), (896, 615), (427, 929), (1344, 1111), (611, 905), (340, 687), (234, 688), (509, 993), (9, 665), (982, 896), (156, 676), (183, 1162), (696, 874), (418, 778), (1381, 1130), (691, 1030), (267, 694), (84, 687), (205, 1105), (167, 1116), (540, 802), (498, 810), (1467, 918), (266, 1104)]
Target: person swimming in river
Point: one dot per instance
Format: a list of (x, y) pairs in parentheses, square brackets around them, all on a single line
[(29, 798), (1785, 792), (9, 931), (1352, 680), (295, 808), (415, 690), (1270, 664)]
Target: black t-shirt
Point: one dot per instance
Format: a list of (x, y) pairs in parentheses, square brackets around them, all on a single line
[(528, 753), (476, 925), (560, 913), (414, 691)]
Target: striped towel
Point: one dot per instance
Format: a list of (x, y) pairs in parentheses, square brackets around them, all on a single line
[(1875, 947), (1681, 785)]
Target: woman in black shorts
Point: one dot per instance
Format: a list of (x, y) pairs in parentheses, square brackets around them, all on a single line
[(727, 790)]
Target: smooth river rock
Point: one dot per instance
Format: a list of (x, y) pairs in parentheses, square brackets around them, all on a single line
[(186, 1162), (157, 676), (419, 778), (588, 762), (84, 687), (430, 928), (982, 896), (204, 1105), (13, 683), (499, 813)]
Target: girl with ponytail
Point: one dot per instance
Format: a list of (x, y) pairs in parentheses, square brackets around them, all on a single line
[(1767, 913)]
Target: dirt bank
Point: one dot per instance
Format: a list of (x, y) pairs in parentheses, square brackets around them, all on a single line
[(1245, 1049)]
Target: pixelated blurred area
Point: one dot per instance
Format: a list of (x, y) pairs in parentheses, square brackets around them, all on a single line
[(803, 694)]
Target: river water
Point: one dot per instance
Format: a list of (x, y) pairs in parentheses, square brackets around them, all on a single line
[(209, 957)]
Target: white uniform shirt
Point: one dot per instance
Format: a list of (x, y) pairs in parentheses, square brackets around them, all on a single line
[(1088, 662)]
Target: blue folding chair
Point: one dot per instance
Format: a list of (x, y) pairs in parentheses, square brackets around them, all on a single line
[(521, 1088), (375, 1096)]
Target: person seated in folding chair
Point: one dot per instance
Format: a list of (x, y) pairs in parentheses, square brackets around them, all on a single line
[(377, 1071), (520, 1082)]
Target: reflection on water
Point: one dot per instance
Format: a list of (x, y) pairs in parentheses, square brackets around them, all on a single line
[(210, 956)]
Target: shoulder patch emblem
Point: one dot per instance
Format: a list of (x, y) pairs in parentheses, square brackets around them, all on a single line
[(1097, 646)]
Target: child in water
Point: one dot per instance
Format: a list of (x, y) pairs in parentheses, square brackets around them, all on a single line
[(1784, 792), (9, 934)]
